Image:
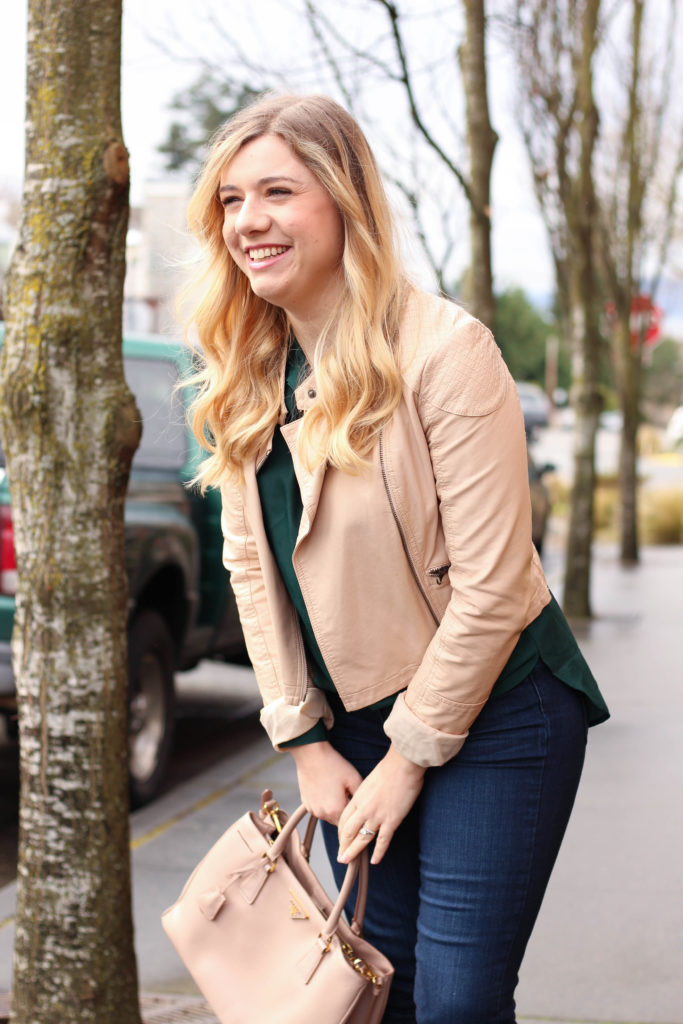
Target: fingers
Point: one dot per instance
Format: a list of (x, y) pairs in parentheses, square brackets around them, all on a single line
[(326, 781), (379, 804), (356, 835), (322, 804), (382, 841), (360, 842)]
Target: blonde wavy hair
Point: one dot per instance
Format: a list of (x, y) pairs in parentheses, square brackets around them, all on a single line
[(243, 338)]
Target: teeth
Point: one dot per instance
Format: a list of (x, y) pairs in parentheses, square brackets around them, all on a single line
[(264, 254)]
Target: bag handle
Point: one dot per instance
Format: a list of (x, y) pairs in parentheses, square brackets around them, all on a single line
[(358, 866)]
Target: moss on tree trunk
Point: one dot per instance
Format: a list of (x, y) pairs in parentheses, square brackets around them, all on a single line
[(70, 428)]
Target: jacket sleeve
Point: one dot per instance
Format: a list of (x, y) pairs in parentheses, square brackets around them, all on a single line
[(473, 424), (282, 719)]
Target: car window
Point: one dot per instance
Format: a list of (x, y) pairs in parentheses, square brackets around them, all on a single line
[(163, 444)]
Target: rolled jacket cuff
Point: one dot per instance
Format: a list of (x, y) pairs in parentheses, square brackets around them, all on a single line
[(418, 741), (283, 721)]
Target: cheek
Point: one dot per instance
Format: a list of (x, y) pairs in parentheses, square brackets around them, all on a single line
[(232, 244)]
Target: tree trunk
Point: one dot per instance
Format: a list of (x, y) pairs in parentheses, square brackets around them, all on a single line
[(629, 393), (70, 428), (628, 357), (581, 208), (482, 141), (586, 403)]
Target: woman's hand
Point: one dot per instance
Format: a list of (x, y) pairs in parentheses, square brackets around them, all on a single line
[(326, 780), (380, 803)]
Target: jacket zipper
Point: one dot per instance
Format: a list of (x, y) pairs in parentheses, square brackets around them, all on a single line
[(302, 657), (404, 543), (263, 458)]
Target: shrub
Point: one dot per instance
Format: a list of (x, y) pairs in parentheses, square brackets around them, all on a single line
[(649, 441), (606, 509), (661, 516)]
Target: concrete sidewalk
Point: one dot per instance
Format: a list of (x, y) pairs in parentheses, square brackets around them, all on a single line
[(608, 946)]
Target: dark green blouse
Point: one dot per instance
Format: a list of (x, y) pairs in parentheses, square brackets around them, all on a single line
[(548, 637)]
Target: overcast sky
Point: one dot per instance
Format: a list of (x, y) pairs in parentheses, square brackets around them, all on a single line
[(151, 75)]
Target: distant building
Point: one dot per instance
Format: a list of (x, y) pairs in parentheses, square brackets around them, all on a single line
[(157, 253)]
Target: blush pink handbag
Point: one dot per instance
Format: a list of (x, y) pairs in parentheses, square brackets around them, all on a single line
[(264, 942)]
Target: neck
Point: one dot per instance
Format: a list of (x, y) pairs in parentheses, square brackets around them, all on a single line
[(307, 322), (306, 333)]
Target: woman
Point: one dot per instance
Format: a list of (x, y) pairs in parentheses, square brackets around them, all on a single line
[(369, 445)]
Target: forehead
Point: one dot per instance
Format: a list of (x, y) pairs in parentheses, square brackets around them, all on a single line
[(265, 157)]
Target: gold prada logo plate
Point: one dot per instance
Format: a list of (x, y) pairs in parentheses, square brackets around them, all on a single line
[(296, 911)]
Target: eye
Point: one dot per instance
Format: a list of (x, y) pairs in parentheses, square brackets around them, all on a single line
[(229, 201), (280, 191)]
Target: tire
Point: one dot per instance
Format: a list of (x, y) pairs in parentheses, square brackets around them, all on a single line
[(151, 705)]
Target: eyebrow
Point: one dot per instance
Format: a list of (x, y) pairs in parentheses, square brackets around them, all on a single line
[(262, 181)]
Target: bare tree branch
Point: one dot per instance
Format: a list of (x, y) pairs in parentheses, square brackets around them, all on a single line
[(314, 21), (406, 80)]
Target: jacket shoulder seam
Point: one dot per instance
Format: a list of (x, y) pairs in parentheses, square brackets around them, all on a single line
[(460, 370)]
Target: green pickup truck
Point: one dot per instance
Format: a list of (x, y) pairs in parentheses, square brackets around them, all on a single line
[(181, 607)]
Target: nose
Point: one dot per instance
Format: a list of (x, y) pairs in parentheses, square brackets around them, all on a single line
[(252, 216)]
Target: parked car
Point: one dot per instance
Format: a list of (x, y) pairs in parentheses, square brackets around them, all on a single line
[(535, 406), (181, 607), (540, 501)]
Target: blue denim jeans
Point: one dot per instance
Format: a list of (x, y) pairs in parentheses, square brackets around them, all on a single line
[(454, 900)]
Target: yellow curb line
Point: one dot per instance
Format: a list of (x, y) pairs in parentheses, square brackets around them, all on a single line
[(206, 801)]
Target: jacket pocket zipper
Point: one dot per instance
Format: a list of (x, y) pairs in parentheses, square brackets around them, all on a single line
[(404, 543), (438, 573)]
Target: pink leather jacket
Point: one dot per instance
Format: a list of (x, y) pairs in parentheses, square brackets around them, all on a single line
[(418, 575)]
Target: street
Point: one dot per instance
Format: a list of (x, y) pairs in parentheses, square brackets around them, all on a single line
[(554, 445)]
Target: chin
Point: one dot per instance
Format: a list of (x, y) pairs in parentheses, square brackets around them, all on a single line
[(275, 296)]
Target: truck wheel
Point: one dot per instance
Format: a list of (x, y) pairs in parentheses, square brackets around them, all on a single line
[(150, 704)]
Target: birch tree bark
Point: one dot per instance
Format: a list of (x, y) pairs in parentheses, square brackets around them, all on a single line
[(70, 427)]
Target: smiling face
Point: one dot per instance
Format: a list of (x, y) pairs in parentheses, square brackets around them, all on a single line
[(283, 230)]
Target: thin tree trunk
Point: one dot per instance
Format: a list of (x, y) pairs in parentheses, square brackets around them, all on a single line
[(586, 404), (70, 428), (581, 210), (482, 141), (629, 376), (629, 358)]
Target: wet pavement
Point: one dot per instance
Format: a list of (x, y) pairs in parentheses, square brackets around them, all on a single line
[(608, 945)]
